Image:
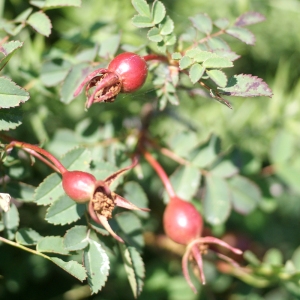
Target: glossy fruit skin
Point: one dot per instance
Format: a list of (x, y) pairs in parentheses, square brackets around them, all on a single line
[(131, 69), (79, 185), (182, 222)]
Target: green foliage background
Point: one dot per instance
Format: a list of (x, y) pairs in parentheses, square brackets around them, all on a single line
[(263, 130)]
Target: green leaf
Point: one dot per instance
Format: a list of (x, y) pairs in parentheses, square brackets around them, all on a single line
[(134, 193), (196, 72), (204, 155), (218, 77), (245, 194), (23, 15), (216, 202), (65, 211), (154, 35), (142, 7), (134, 268), (40, 22), (109, 46), (73, 80), (170, 39), (78, 158), (54, 71), (217, 62), (224, 168), (222, 23), (186, 180), (243, 34), (49, 190), (76, 238), (11, 221), (251, 258), (249, 18), (246, 85), (11, 95), (96, 263), (296, 258), (52, 4), (158, 12), (7, 50), (167, 26), (273, 257), (176, 55), (10, 118), (27, 237), (142, 21), (203, 56), (52, 244), (216, 43), (290, 174), (131, 229), (72, 267), (202, 22), (282, 147), (185, 62)]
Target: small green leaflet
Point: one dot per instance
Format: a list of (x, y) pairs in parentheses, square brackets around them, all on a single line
[(27, 237), (52, 244), (11, 221), (96, 262), (11, 95), (72, 267), (40, 22), (76, 238), (52, 4), (249, 18), (7, 50), (243, 34), (134, 267), (10, 119), (202, 22)]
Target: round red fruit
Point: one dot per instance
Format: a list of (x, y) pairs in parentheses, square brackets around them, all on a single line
[(131, 69), (79, 185)]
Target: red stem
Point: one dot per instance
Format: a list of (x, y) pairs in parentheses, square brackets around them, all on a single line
[(161, 173), (155, 57), (41, 151)]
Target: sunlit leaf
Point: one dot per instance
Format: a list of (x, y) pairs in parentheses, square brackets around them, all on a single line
[(246, 85), (52, 244), (134, 268), (76, 238), (222, 23), (196, 72), (52, 4), (142, 7), (11, 221), (10, 118), (167, 26), (96, 262), (185, 62), (217, 62), (218, 77), (242, 34), (65, 211), (7, 50), (158, 12), (11, 95), (40, 22), (142, 21), (249, 18), (154, 35)]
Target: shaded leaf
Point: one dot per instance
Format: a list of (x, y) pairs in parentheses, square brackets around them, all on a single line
[(202, 22), (242, 34), (27, 236), (11, 221), (23, 15), (196, 72), (11, 95), (20, 191), (64, 211), (10, 118), (72, 267), (134, 267), (76, 238), (7, 50), (40, 22), (249, 18), (54, 71), (245, 194), (52, 244), (158, 12), (109, 47), (246, 85), (216, 202), (224, 168), (273, 257), (142, 7), (218, 77), (96, 263)]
